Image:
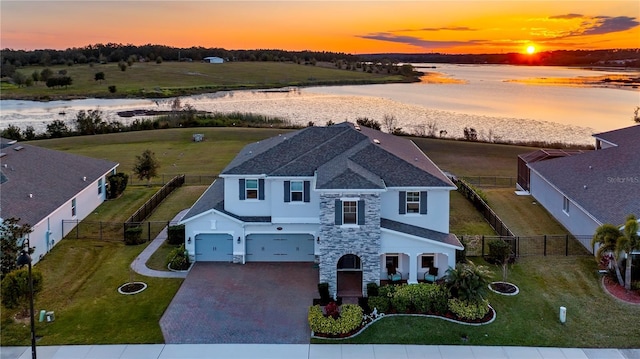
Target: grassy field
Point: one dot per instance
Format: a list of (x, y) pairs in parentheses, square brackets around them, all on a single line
[(181, 78), (594, 319), (463, 158)]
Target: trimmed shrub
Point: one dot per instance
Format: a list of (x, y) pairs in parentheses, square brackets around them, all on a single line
[(15, 288), (469, 310), (372, 289), (402, 298), (380, 303), (178, 259), (117, 184), (133, 236), (350, 319), (175, 234), (323, 290)]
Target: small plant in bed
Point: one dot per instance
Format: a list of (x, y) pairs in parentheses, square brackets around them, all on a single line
[(178, 259)]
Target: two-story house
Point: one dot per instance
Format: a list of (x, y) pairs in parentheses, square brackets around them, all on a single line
[(351, 199)]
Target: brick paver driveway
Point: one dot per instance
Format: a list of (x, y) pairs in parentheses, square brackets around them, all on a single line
[(235, 303)]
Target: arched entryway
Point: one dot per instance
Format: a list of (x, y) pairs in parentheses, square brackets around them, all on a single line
[(349, 276)]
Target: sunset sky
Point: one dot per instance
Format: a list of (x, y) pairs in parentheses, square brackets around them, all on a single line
[(353, 27)]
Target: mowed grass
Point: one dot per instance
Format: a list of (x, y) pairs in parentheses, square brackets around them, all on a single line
[(180, 78), (81, 278), (464, 158), (522, 214), (594, 319)]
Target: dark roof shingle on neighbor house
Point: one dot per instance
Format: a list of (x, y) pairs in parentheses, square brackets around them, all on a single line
[(37, 181), (330, 151), (605, 182)]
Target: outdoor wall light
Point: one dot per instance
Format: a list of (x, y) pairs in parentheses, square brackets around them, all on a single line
[(279, 228), (318, 240), (238, 240), (189, 240)]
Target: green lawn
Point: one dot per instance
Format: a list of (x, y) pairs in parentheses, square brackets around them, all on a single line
[(181, 78), (81, 278), (594, 319)]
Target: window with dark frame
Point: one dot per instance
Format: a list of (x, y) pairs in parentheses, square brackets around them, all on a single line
[(297, 191), (413, 202), (73, 207), (392, 261), (565, 204), (100, 186), (251, 188), (349, 212), (427, 262)]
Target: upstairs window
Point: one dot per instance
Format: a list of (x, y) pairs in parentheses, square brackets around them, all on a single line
[(412, 202), (349, 212), (251, 188), (297, 191)]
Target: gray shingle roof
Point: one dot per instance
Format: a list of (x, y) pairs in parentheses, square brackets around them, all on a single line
[(213, 198), (328, 151), (611, 177), (52, 177), (447, 238)]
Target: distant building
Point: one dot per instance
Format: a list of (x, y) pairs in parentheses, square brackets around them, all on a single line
[(213, 60)]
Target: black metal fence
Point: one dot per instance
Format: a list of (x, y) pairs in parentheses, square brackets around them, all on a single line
[(163, 179), (489, 215), (491, 181), (112, 231), (143, 212), (540, 245)]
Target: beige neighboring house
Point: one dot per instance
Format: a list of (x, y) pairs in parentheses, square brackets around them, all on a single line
[(585, 190), (45, 187)]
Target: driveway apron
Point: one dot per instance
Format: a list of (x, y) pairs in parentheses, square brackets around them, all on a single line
[(235, 303)]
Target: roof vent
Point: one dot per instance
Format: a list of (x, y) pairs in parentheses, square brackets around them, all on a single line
[(590, 167), (84, 178), (18, 148), (2, 154), (30, 195), (5, 165), (357, 127), (585, 186), (376, 141)]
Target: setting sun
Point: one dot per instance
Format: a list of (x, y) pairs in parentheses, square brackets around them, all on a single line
[(531, 49)]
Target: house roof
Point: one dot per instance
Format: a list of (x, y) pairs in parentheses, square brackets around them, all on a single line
[(447, 238), (213, 198), (36, 181), (606, 182), (342, 156)]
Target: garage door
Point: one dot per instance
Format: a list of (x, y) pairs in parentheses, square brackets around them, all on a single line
[(214, 247), (280, 248)]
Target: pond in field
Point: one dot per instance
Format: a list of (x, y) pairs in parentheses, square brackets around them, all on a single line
[(501, 102)]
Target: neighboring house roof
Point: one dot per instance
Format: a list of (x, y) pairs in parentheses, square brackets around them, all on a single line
[(606, 182), (213, 198), (37, 181), (343, 156), (447, 238)]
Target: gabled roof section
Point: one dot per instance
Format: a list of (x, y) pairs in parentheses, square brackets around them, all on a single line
[(342, 156), (213, 198), (620, 137), (606, 182), (37, 181), (446, 238)]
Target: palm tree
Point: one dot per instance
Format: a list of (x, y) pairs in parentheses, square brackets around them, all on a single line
[(468, 281), (607, 237), (628, 242)]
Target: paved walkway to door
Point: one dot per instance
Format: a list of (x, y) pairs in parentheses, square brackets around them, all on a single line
[(236, 303)]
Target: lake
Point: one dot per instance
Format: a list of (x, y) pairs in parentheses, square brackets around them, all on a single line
[(499, 101)]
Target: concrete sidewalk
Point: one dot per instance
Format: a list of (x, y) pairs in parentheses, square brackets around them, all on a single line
[(139, 265), (306, 351)]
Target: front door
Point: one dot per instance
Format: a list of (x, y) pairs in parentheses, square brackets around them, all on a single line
[(349, 276)]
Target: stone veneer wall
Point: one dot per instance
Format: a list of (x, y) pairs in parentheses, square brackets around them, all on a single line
[(336, 240)]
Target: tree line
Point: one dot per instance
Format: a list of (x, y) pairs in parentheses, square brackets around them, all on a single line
[(111, 52)]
